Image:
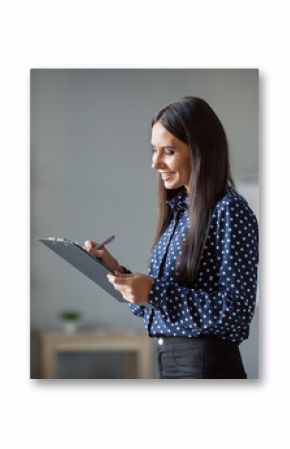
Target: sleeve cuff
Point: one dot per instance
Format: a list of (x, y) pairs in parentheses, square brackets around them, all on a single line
[(157, 293)]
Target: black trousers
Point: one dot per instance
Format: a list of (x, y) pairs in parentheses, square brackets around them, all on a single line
[(204, 357)]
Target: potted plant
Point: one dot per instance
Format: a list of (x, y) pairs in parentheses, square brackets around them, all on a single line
[(70, 320)]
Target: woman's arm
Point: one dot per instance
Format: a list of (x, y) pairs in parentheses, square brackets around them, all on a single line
[(232, 302)]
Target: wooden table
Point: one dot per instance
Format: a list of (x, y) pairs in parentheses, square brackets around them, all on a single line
[(137, 347)]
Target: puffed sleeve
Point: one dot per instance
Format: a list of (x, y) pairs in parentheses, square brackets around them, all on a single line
[(230, 306)]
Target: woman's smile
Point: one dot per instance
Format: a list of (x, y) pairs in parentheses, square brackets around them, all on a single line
[(166, 175)]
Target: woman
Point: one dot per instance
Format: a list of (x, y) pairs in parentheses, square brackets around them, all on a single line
[(198, 298)]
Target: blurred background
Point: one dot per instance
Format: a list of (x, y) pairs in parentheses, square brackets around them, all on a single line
[(91, 177)]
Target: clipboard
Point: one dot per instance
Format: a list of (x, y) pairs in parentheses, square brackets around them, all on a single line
[(86, 263)]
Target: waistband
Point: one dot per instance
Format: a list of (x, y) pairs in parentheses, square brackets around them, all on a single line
[(167, 341)]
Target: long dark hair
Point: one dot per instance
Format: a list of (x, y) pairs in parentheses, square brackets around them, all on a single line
[(195, 123)]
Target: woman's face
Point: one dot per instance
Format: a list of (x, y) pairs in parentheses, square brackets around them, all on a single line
[(171, 157)]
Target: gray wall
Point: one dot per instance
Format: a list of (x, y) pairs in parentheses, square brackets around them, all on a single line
[(91, 173)]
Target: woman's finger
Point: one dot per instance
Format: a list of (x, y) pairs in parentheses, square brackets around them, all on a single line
[(123, 291), (119, 280), (89, 245), (97, 252)]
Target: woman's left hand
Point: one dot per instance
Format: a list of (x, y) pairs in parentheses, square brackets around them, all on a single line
[(134, 287)]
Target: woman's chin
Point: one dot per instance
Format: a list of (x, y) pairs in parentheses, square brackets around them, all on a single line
[(172, 185)]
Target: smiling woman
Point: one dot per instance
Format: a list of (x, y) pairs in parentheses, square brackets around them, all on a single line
[(200, 164), (198, 297)]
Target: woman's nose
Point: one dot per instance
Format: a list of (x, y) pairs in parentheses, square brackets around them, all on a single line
[(157, 162)]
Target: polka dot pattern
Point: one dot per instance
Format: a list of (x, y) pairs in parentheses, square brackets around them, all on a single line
[(222, 301)]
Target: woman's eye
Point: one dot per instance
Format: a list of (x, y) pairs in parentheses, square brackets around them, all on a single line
[(167, 152)]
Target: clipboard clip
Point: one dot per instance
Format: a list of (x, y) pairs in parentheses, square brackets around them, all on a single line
[(64, 240)]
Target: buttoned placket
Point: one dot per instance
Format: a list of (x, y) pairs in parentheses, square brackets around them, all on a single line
[(165, 254), (176, 217), (177, 208)]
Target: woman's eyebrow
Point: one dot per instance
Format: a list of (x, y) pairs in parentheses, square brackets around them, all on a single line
[(163, 147)]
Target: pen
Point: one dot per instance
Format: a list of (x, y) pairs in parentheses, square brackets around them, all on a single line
[(104, 242)]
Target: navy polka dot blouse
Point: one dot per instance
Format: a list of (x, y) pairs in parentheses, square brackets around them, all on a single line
[(222, 302)]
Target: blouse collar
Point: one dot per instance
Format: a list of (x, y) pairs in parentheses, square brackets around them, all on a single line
[(179, 202)]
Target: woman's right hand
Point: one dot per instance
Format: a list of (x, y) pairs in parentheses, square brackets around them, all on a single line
[(103, 254)]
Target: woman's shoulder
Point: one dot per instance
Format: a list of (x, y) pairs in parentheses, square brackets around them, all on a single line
[(233, 203)]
